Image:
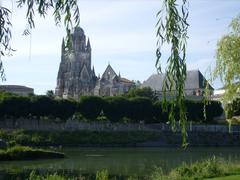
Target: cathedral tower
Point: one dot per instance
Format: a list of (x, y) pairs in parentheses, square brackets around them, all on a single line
[(76, 77)]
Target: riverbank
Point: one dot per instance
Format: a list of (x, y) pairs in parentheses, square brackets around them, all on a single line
[(213, 168), (119, 138), (28, 153)]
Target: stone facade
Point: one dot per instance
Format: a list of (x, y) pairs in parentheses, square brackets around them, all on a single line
[(76, 76), (111, 84)]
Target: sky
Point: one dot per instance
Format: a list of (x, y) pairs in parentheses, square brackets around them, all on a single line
[(121, 32)]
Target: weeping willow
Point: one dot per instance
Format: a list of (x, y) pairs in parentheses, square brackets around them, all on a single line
[(172, 31), (227, 65), (65, 11)]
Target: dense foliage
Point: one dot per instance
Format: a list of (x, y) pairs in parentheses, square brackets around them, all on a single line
[(115, 109), (208, 168), (233, 108), (227, 65), (142, 92), (172, 29)]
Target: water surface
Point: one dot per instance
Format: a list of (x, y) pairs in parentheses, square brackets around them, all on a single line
[(122, 161)]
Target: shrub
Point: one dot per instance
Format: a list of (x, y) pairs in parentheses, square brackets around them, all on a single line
[(102, 175), (158, 114), (43, 106), (116, 108), (91, 106), (199, 170), (140, 109), (15, 106), (146, 92)]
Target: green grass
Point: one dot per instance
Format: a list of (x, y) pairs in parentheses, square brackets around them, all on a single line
[(211, 169), (27, 153), (232, 177)]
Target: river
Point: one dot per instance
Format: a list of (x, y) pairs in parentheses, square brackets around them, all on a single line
[(122, 161)]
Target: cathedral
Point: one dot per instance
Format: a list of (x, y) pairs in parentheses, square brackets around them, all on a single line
[(76, 76)]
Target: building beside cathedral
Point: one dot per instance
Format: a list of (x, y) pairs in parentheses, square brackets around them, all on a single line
[(76, 76), (194, 84)]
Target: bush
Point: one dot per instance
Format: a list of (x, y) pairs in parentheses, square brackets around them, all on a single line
[(195, 111), (200, 170), (65, 108), (233, 109), (15, 106), (136, 109), (91, 106), (116, 108), (43, 106), (209, 168), (146, 92), (158, 114)]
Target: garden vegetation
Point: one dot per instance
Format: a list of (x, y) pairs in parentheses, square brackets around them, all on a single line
[(114, 109)]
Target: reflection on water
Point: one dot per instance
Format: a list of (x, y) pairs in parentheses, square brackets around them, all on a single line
[(121, 161)]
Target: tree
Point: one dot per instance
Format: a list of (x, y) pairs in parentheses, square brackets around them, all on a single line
[(172, 30), (50, 94), (142, 92), (66, 9), (227, 61)]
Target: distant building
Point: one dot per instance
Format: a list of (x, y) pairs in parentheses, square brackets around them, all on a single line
[(194, 84), (16, 89), (111, 84), (76, 76)]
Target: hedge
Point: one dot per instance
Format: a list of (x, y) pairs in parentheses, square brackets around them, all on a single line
[(115, 109)]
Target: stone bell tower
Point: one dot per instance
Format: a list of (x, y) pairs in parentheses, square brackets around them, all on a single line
[(76, 77)]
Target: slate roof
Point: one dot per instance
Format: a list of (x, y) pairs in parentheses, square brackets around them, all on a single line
[(125, 80), (195, 80), (7, 87)]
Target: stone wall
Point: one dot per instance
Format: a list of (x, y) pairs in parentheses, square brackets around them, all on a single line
[(47, 124)]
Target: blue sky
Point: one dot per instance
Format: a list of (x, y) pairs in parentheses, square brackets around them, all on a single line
[(121, 32)]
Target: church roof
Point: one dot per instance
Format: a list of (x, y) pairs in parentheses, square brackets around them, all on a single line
[(194, 80), (7, 87), (125, 80), (109, 71)]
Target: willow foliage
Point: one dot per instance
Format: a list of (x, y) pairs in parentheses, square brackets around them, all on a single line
[(228, 61), (172, 30), (63, 10)]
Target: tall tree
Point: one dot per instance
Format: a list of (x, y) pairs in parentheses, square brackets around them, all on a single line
[(228, 61)]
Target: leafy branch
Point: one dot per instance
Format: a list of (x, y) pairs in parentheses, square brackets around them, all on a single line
[(66, 9), (172, 30)]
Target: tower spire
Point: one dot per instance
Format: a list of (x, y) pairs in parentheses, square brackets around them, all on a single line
[(88, 44), (93, 71), (63, 46)]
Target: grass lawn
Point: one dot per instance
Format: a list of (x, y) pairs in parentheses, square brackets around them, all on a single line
[(232, 177)]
